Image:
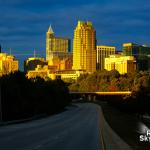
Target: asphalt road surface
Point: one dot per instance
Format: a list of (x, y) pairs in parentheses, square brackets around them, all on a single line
[(74, 129)]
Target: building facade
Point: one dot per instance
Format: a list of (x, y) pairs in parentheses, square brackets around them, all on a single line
[(66, 64), (58, 59), (8, 64), (102, 53), (140, 52), (32, 62), (67, 75), (123, 64), (84, 47), (56, 44), (42, 72), (45, 73)]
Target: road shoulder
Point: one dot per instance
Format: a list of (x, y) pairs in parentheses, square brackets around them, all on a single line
[(124, 125)]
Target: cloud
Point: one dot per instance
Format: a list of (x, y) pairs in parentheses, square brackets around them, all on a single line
[(24, 23), (114, 21)]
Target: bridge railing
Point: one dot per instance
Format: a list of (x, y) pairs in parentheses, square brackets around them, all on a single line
[(105, 93)]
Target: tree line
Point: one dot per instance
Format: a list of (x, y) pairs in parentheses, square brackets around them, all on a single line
[(137, 82), (24, 98)]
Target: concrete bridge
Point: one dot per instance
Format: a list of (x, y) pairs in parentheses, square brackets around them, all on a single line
[(91, 96)]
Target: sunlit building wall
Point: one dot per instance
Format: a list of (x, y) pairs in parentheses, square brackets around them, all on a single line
[(123, 64), (84, 47), (42, 72), (45, 73), (8, 64), (69, 74), (102, 53), (64, 62), (56, 44)]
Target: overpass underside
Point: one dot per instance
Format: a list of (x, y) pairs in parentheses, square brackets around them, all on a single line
[(92, 96)]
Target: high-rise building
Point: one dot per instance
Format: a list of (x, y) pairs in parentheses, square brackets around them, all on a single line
[(102, 53), (132, 49), (84, 47), (140, 52), (55, 44), (123, 64), (8, 64)]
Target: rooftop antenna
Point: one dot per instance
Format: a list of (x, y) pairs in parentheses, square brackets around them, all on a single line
[(34, 53)]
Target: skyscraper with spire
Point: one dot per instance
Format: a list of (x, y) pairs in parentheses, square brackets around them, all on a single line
[(84, 47), (56, 45)]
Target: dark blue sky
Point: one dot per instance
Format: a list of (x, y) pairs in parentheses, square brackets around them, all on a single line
[(23, 23)]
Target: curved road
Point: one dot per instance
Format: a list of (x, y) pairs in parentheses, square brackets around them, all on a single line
[(74, 129)]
